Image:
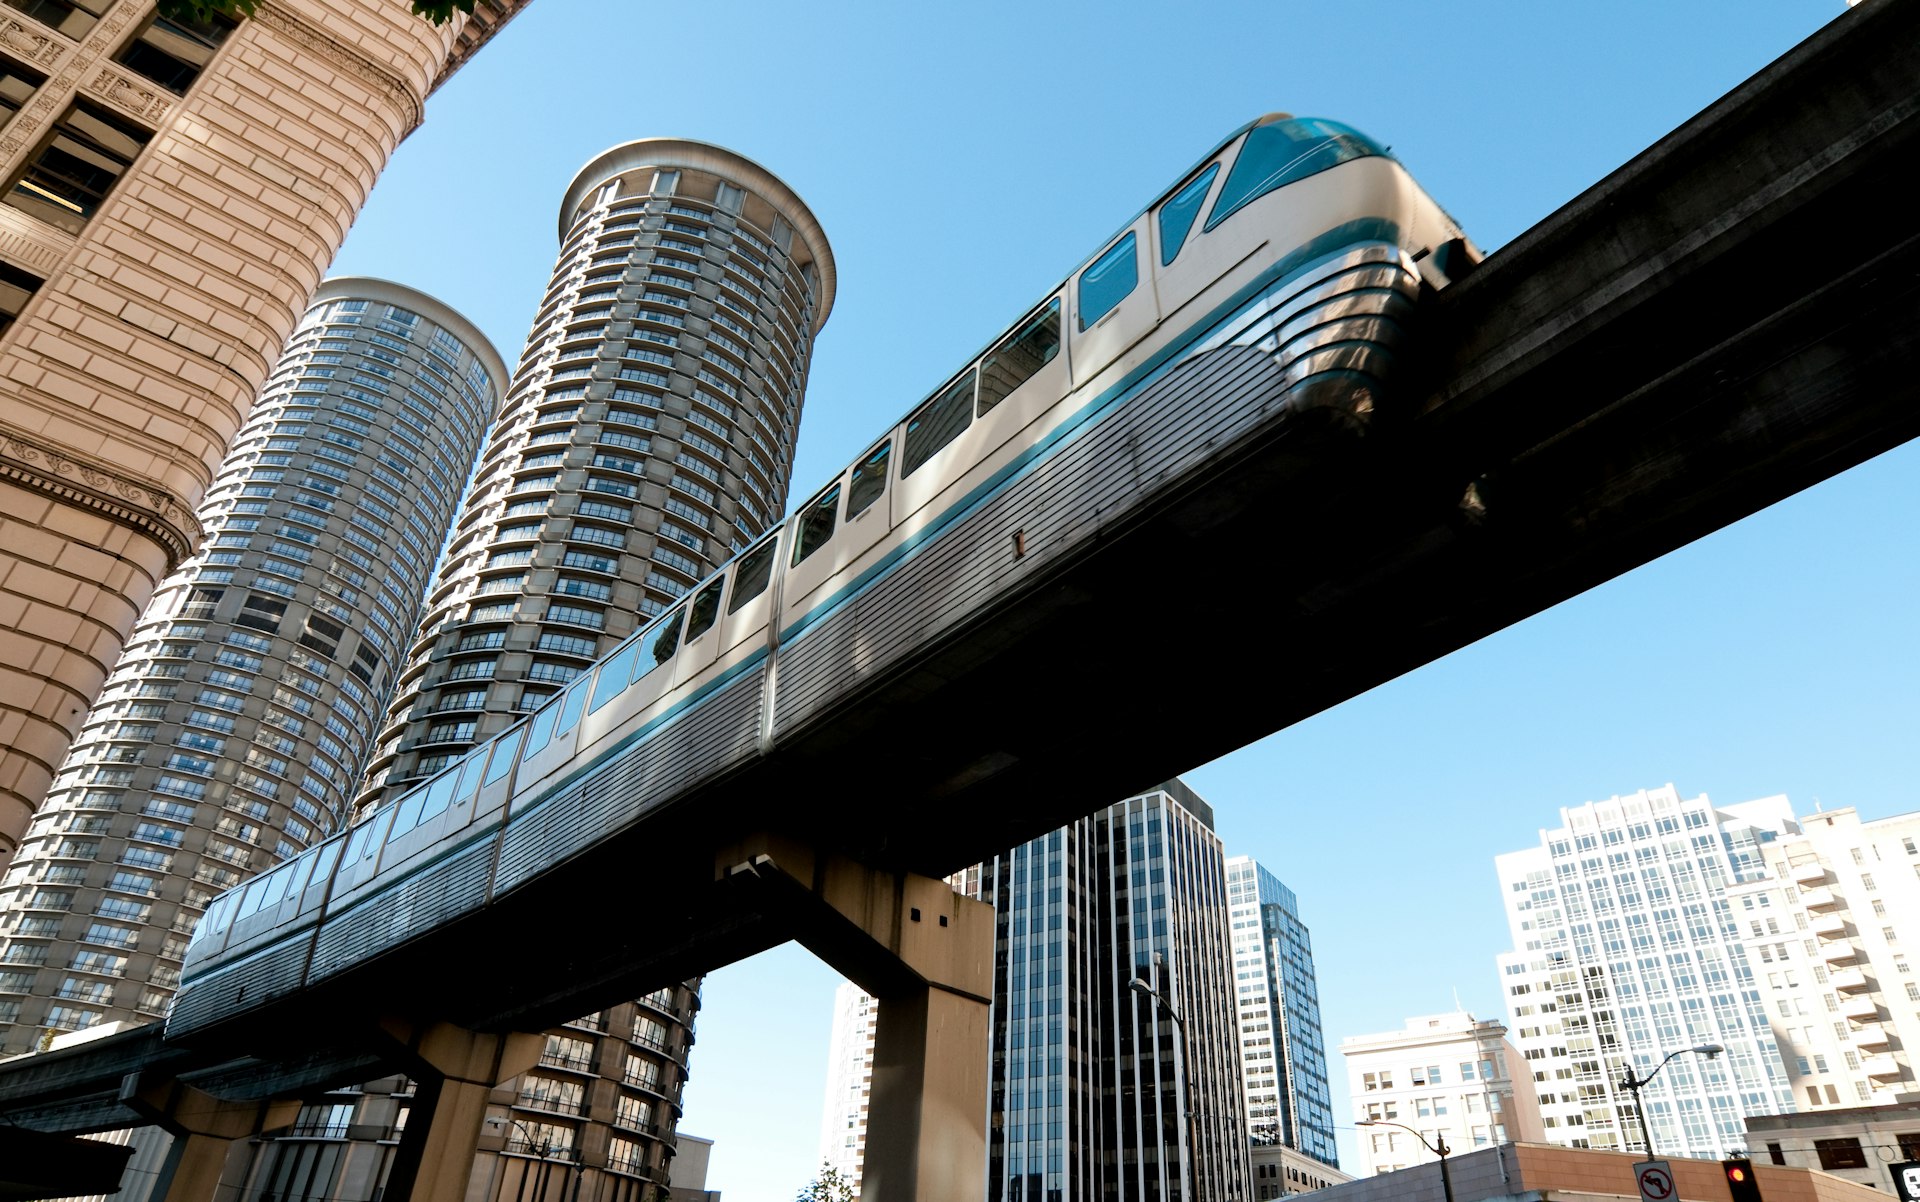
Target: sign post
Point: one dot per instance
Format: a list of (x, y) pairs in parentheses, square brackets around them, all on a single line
[(1906, 1180)]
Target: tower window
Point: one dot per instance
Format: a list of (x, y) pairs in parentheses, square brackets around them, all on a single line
[(16, 287), (70, 17), (82, 157), (173, 51), (17, 86)]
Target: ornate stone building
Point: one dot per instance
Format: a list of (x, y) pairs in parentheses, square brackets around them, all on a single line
[(172, 196)]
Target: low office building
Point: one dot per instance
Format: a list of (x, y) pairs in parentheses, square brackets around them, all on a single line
[(1857, 1142), (1279, 1171), (1546, 1173), (1449, 1076)]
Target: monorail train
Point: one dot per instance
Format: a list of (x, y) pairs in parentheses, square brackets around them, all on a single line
[(1271, 280)]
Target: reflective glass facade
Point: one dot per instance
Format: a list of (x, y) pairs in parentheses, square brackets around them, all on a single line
[(1098, 1090), (1278, 1002), (235, 727)]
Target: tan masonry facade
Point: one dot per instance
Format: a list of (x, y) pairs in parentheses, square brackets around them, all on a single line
[(142, 316)]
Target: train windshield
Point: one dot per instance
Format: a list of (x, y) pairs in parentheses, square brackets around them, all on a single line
[(1278, 154)]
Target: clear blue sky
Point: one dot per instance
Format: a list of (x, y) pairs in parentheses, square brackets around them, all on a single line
[(962, 159)]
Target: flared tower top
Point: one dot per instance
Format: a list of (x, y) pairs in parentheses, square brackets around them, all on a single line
[(682, 154)]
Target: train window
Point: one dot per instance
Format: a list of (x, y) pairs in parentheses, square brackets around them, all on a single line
[(938, 423), (869, 480), (1109, 281), (615, 675), (541, 732), (1278, 154), (816, 524), (409, 807), (363, 834), (469, 778), (570, 709), (214, 921), (1014, 361), (1176, 216), (439, 795), (751, 577), (377, 833), (323, 863), (666, 642), (705, 608), (502, 761)]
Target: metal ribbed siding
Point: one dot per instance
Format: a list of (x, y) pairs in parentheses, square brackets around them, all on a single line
[(670, 762), (434, 896), (238, 987), (1339, 324)]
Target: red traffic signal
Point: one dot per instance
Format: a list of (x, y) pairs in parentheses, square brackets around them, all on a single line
[(1741, 1185)]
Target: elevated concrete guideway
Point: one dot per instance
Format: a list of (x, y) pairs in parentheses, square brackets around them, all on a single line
[(1723, 321)]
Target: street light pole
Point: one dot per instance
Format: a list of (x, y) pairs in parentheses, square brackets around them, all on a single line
[(541, 1148), (1633, 1085), (1446, 1177), (1151, 989)]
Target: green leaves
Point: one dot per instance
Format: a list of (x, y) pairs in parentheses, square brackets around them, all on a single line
[(829, 1186), (437, 11)]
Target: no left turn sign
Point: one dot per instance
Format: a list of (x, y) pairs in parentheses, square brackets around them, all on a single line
[(1656, 1180)]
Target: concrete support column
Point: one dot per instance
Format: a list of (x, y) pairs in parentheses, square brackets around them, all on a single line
[(926, 953), (454, 1070), (927, 1118), (203, 1128)]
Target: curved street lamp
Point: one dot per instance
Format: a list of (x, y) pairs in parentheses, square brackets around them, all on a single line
[(543, 1148), (1632, 1085), (1150, 989), (1446, 1178)]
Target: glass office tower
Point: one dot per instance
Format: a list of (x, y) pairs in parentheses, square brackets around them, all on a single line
[(1285, 1054)]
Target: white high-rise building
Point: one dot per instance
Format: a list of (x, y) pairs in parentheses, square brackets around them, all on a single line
[(843, 1120), (1632, 941), (1446, 1076)]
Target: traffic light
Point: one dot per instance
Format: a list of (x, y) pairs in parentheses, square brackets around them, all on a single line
[(1741, 1185)]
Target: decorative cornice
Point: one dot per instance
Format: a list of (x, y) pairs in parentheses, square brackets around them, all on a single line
[(31, 41), (141, 505), (315, 41), (137, 97), (26, 37), (31, 243)]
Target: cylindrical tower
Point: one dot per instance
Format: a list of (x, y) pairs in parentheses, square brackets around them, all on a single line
[(647, 436), (237, 723)]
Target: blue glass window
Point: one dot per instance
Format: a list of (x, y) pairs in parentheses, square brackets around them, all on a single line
[(576, 701), (1176, 216), (1107, 283), (502, 762), (1278, 154), (615, 675), (938, 423), (542, 732)]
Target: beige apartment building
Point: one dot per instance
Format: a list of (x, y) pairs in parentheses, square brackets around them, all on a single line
[(1449, 1076), (172, 196), (1832, 930)]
